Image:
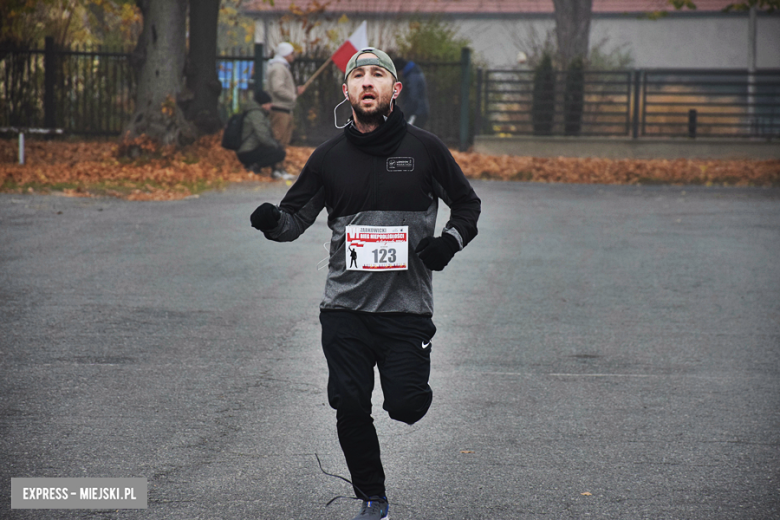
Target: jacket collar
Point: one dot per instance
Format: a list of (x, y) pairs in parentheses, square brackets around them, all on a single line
[(383, 141)]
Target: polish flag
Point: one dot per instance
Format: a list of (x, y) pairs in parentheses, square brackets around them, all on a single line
[(358, 40)]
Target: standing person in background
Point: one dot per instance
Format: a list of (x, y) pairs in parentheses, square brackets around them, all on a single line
[(258, 148), (281, 86), (415, 95)]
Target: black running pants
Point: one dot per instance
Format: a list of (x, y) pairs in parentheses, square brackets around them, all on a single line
[(400, 346)]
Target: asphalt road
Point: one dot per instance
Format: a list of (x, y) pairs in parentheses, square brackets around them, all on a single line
[(603, 352)]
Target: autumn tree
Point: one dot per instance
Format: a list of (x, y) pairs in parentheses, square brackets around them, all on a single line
[(202, 82), (25, 24), (572, 22), (178, 91), (572, 29), (159, 59)]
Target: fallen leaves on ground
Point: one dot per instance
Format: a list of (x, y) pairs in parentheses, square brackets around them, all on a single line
[(620, 171), (97, 168)]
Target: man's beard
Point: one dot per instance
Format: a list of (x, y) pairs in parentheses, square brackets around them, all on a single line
[(373, 117)]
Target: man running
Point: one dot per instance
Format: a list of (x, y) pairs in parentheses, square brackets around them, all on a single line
[(380, 181)]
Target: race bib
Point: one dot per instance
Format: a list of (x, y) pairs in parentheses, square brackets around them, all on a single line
[(377, 248)]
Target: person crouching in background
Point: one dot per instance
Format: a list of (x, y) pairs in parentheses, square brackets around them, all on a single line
[(258, 148)]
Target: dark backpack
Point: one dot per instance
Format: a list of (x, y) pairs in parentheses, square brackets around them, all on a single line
[(231, 137)]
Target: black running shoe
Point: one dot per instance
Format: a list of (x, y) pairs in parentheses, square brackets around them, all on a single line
[(375, 508)]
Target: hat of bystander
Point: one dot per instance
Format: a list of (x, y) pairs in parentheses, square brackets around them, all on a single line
[(284, 49)]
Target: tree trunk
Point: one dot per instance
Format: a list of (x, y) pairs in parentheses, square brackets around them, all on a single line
[(158, 60), (203, 87), (572, 29)]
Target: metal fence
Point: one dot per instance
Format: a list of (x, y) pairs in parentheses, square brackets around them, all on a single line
[(513, 106), (651, 103), (91, 91), (710, 103), (82, 90)]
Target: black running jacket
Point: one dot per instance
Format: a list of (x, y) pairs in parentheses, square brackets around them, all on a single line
[(392, 176)]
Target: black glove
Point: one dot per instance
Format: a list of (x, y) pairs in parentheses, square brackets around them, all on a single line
[(436, 252), (265, 217)]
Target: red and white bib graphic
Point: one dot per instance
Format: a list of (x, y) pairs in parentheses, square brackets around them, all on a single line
[(377, 248)]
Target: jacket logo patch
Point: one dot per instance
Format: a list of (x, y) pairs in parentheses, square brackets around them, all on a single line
[(400, 164)]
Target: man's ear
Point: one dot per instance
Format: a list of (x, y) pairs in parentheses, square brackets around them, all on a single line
[(344, 90), (397, 89)]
